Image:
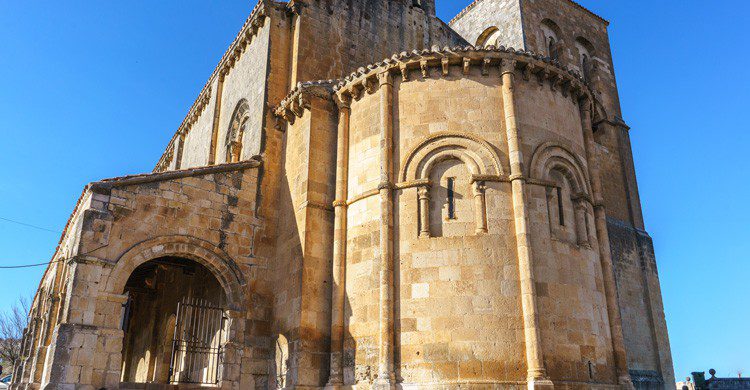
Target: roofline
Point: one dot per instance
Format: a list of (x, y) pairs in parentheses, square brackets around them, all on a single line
[(108, 184), (476, 2)]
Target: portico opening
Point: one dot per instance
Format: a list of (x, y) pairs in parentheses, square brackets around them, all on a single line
[(175, 324)]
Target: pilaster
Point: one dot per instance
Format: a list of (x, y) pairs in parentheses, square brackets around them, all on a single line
[(536, 372), (386, 372)]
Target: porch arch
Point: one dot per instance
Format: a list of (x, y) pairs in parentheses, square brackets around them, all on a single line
[(226, 271)]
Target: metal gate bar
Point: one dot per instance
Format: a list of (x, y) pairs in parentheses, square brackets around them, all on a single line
[(197, 346)]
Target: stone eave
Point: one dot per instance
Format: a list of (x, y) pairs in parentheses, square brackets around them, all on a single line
[(298, 100), (364, 79), (575, 4), (107, 184), (530, 65)]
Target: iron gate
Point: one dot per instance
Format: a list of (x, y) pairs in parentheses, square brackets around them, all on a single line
[(197, 346)]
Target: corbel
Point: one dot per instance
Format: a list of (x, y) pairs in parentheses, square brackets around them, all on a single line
[(486, 66), (370, 85), (565, 86), (446, 66), (425, 68), (542, 75), (356, 91), (554, 82), (467, 65), (527, 71), (404, 71)]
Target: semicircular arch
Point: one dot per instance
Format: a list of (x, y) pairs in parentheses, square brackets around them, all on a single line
[(226, 271), (477, 154), (551, 157)]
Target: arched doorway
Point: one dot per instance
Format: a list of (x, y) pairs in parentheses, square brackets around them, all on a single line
[(175, 323)]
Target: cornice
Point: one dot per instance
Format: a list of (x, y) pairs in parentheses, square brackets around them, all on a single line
[(298, 100), (531, 66), (244, 37)]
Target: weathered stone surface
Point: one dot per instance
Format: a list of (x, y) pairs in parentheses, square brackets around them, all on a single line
[(434, 216)]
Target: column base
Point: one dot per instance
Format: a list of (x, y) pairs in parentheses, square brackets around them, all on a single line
[(540, 384)]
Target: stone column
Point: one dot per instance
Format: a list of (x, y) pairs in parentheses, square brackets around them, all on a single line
[(536, 372), (582, 234), (180, 147), (424, 211), (338, 299), (605, 255), (212, 151), (480, 206), (386, 374)]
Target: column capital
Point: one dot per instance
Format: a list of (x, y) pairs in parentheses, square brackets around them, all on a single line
[(385, 78), (344, 101), (507, 66)]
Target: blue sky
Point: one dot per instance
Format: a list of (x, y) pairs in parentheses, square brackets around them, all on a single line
[(95, 89)]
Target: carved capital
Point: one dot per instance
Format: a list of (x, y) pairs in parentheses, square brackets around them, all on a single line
[(423, 192), (507, 66), (479, 187), (344, 101), (384, 78)]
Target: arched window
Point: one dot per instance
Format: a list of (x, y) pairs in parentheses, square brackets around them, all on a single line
[(451, 196), (236, 132), (551, 35), (585, 56), (568, 205), (451, 202), (490, 36)]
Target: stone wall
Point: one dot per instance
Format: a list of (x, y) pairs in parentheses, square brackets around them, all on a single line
[(644, 325), (491, 22), (333, 38), (206, 215)]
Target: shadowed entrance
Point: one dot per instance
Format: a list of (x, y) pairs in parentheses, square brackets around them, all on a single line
[(174, 323)]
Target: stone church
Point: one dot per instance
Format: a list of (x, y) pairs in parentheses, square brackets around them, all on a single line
[(364, 196)]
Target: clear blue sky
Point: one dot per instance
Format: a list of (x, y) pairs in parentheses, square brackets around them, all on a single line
[(95, 89)]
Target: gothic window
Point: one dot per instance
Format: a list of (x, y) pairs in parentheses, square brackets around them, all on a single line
[(235, 133)]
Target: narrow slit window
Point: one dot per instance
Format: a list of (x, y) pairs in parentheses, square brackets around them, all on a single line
[(560, 207), (451, 198)]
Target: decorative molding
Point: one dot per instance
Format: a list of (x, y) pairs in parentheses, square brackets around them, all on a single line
[(479, 155), (560, 78), (552, 155), (298, 100)]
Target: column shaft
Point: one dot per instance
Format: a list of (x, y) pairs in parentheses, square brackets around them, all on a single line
[(534, 356), (338, 298), (605, 255), (386, 375)]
